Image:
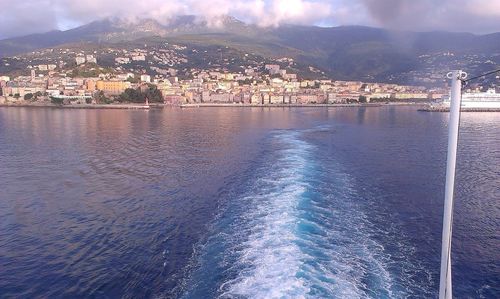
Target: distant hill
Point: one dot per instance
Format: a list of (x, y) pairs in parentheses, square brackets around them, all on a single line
[(345, 52), (116, 30)]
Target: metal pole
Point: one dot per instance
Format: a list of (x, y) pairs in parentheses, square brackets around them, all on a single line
[(445, 289)]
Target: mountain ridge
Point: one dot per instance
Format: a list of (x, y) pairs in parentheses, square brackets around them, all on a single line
[(118, 30), (344, 52)]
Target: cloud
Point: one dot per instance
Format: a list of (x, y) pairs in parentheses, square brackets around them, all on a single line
[(28, 16), (20, 17), (264, 13), (289, 11)]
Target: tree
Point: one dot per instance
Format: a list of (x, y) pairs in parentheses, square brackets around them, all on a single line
[(133, 79), (362, 99), (28, 96), (101, 98), (151, 92), (131, 95), (247, 81), (56, 100)]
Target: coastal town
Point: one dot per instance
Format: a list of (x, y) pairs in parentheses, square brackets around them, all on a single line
[(166, 75)]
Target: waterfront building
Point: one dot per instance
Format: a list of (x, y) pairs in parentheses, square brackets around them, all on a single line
[(256, 98), (22, 90), (276, 99), (174, 99), (112, 87), (410, 95), (379, 95), (90, 85), (221, 97)]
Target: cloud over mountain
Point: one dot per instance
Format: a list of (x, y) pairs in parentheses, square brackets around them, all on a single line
[(30, 16)]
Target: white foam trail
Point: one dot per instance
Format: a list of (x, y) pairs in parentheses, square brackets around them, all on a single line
[(301, 231), (276, 261), (295, 235), (271, 257)]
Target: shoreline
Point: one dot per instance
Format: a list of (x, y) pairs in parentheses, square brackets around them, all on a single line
[(216, 105), (195, 105), (80, 106)]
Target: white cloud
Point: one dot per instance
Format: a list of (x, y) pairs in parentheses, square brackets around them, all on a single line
[(19, 17), (264, 13), (278, 12)]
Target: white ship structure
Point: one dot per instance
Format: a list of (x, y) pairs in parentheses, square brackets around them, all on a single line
[(478, 100)]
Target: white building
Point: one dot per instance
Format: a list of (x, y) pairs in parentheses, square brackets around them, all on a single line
[(139, 58), (91, 58), (146, 78), (80, 60), (122, 60), (272, 68)]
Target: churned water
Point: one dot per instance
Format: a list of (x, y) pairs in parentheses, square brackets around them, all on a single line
[(244, 203)]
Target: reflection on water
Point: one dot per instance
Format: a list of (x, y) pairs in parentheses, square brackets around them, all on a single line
[(113, 203)]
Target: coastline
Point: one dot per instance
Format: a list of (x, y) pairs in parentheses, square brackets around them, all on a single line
[(215, 105), (194, 105), (79, 106)]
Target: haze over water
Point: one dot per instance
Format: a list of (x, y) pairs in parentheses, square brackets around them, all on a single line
[(244, 203)]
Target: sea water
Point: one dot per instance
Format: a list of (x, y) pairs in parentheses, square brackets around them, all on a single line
[(244, 203)]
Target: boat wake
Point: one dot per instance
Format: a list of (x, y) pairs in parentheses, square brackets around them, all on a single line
[(293, 234)]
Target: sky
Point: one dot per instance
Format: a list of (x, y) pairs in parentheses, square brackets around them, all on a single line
[(21, 17)]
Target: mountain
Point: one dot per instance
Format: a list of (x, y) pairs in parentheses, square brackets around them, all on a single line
[(118, 30), (98, 31), (345, 52)]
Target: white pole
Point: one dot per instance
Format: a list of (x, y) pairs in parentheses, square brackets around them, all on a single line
[(445, 289)]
